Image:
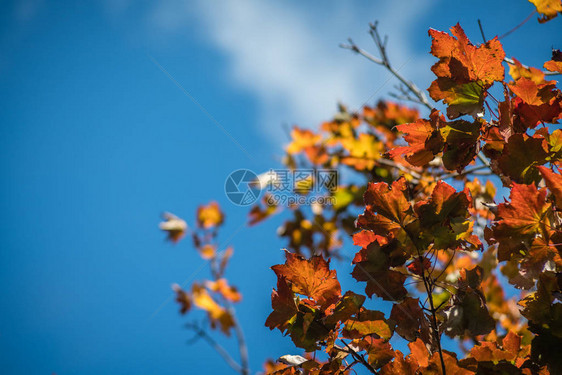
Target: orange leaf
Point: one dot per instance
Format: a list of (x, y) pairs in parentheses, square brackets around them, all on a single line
[(366, 237), (221, 286), (424, 142), (390, 204), (553, 182), (312, 278), (553, 66), (209, 216), (419, 352), (548, 9), (525, 212), (464, 71), (217, 314)]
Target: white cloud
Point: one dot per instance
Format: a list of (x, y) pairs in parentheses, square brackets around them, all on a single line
[(287, 53)]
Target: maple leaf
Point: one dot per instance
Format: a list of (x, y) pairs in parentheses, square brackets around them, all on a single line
[(518, 220), (387, 284), (209, 216), (443, 219), (536, 103), (464, 72), (451, 365), (548, 9), (424, 140), (461, 143), (379, 352), (368, 322), (539, 306), (411, 322), (207, 251), (347, 306), (553, 66), (457, 140), (174, 226), (517, 70), (372, 265), (553, 182), (312, 278), (307, 329), (533, 93), (520, 154), (419, 352), (461, 98), (366, 237), (492, 352), (445, 203), (468, 313), (284, 307), (400, 365), (387, 208), (525, 211)]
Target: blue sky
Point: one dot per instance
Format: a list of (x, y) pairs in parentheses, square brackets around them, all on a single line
[(96, 141)]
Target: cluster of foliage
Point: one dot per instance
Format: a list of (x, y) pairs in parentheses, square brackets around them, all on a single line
[(431, 239)]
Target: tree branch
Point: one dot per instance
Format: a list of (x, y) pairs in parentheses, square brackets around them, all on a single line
[(242, 346), (200, 333), (429, 292), (359, 358), (384, 61), (518, 26)]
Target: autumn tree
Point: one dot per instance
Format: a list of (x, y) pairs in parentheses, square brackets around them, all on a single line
[(433, 236)]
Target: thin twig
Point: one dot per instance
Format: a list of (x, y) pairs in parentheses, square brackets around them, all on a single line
[(384, 61), (216, 346), (242, 346), (481, 31), (518, 26), (403, 168), (483, 159), (359, 358), (465, 172), (429, 292), (350, 365)]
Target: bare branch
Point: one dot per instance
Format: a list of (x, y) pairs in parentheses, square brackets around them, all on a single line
[(465, 172), (200, 333), (242, 346), (519, 25), (481, 31), (384, 61)]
